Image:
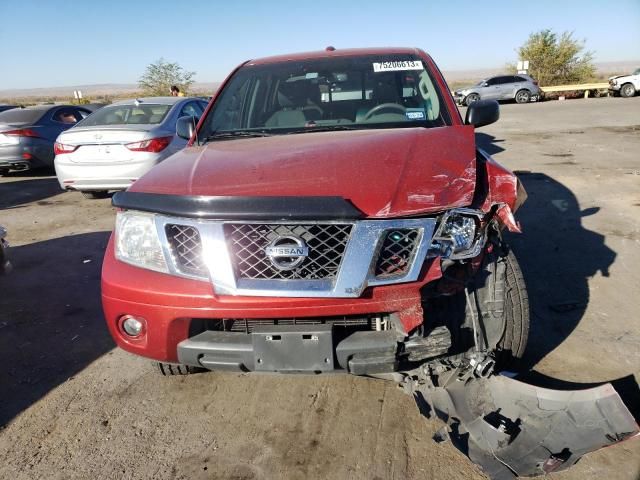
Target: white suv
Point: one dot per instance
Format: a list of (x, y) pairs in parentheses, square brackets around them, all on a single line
[(625, 85)]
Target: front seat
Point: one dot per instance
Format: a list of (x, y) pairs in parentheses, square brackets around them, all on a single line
[(288, 115)]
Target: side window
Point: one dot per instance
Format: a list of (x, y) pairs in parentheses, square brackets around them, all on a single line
[(504, 80), (190, 109), (66, 115), (493, 81), (519, 79)]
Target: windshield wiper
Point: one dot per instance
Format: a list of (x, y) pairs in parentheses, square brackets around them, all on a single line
[(327, 128), (235, 134)]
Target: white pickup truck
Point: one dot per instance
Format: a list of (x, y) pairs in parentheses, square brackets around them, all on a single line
[(625, 85)]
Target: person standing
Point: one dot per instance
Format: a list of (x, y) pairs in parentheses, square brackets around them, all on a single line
[(175, 91)]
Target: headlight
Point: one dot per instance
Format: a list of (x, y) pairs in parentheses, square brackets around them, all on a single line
[(137, 241), (458, 235)]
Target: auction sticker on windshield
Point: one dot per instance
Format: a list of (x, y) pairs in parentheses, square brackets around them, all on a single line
[(397, 66)]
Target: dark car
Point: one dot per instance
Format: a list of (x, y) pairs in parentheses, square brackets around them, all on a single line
[(93, 106), (7, 107), (27, 134)]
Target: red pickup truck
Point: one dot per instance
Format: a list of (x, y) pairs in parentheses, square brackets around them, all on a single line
[(332, 213)]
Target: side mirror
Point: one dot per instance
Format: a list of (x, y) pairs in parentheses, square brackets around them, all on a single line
[(185, 126), (482, 112)]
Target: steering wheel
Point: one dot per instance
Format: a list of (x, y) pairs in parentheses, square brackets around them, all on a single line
[(383, 106)]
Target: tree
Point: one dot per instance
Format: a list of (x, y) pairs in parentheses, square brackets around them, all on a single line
[(161, 75), (556, 60)]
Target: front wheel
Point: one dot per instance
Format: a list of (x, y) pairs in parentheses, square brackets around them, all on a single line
[(3, 171), (523, 96), (496, 301), (627, 90), (516, 314), (471, 98)]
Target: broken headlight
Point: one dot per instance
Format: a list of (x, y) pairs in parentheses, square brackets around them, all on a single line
[(137, 241), (458, 235)]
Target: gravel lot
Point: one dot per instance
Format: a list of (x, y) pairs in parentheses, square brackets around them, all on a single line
[(72, 406)]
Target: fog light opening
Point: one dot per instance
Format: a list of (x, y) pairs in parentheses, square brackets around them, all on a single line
[(131, 326)]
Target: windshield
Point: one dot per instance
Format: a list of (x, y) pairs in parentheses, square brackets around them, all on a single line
[(372, 91), (127, 115), (637, 72)]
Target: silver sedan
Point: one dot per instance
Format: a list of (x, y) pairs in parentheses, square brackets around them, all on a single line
[(116, 145)]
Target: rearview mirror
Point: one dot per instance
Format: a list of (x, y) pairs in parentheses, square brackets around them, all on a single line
[(185, 126), (482, 112)]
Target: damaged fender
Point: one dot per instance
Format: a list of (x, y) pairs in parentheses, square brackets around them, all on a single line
[(511, 429)]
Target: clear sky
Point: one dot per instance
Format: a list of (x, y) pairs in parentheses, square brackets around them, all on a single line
[(63, 42)]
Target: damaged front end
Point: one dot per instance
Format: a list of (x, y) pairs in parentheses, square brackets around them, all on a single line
[(513, 429)]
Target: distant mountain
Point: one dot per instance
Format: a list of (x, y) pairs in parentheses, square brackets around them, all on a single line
[(96, 90), (123, 89)]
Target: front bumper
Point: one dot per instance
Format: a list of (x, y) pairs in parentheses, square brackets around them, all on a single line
[(297, 348), (169, 304)]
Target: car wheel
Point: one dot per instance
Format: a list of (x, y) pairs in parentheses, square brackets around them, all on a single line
[(523, 96), (627, 90), (471, 98), (497, 298), (3, 171), (169, 369), (516, 315), (96, 194)]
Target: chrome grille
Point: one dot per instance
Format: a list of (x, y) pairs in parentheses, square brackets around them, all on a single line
[(326, 242), (186, 248), (397, 252)]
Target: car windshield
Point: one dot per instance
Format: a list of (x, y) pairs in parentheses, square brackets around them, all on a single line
[(373, 91), (637, 72), (127, 115)]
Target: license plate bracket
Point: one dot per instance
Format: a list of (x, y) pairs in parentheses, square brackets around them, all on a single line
[(293, 348)]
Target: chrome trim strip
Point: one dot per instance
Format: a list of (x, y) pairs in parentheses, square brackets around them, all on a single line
[(357, 270)]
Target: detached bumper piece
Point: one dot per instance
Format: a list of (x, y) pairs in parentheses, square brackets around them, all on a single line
[(513, 429)]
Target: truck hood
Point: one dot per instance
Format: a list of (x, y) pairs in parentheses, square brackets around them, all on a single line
[(383, 172)]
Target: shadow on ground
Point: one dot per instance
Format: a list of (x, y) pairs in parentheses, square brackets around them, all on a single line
[(558, 256), (488, 143), (23, 188), (51, 323)]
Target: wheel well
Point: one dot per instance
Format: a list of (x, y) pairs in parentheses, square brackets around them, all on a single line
[(523, 90)]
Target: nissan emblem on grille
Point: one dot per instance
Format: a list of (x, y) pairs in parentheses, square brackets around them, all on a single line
[(286, 253)]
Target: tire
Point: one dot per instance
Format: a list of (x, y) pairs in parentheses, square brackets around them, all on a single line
[(170, 369), (523, 96), (471, 98), (95, 194), (500, 305), (627, 90), (3, 171), (516, 316)]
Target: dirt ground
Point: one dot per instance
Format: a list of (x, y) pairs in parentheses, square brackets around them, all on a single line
[(72, 406)]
